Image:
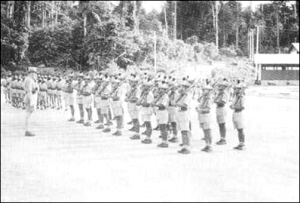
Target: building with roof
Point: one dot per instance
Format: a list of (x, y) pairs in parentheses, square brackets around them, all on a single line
[(279, 69)]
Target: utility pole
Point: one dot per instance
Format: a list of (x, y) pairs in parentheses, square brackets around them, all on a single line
[(175, 20)]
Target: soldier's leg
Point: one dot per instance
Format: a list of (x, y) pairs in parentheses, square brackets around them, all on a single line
[(101, 119), (174, 139), (136, 127), (164, 135), (72, 113), (81, 111), (222, 129), (106, 116), (119, 120)]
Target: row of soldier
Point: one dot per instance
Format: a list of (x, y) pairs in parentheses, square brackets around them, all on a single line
[(165, 96)]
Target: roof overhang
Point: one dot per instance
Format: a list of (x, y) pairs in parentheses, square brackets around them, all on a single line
[(276, 59)]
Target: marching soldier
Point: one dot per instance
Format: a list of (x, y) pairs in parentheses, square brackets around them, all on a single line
[(221, 100), (105, 101), (117, 106), (88, 99), (31, 88), (59, 92), (132, 97), (238, 114), (173, 110), (43, 93), (79, 87), (183, 115), (162, 103), (70, 98), (146, 110), (97, 100), (204, 115)]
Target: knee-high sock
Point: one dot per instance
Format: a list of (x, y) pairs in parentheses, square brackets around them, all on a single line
[(163, 130), (119, 122), (222, 129), (72, 110), (27, 117), (136, 125), (241, 135), (208, 138), (149, 128), (184, 142), (81, 111), (174, 128)]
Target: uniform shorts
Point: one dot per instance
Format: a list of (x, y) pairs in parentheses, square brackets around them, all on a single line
[(30, 102), (146, 113), (172, 113), (183, 120), (162, 116), (87, 101), (59, 93), (70, 99), (133, 110), (80, 99), (205, 121), (221, 115), (117, 108), (238, 120)]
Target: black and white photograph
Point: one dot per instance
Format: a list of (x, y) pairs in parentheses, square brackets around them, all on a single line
[(149, 101)]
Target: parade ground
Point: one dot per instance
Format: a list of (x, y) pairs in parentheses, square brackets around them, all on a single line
[(71, 162)]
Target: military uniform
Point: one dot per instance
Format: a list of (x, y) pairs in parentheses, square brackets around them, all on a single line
[(105, 101), (221, 113), (79, 87), (88, 99), (162, 114), (204, 115), (238, 105), (117, 106), (132, 97), (43, 93), (97, 101), (70, 98), (146, 110), (173, 111), (183, 116)]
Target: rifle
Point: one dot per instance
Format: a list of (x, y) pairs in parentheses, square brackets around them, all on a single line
[(116, 89), (186, 91)]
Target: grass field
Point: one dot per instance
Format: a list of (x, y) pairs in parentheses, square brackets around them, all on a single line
[(70, 162)]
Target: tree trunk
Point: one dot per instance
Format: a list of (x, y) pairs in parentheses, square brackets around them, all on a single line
[(224, 38), (217, 28), (213, 13), (237, 28), (277, 23), (175, 20), (52, 14), (56, 12), (10, 9), (43, 16), (29, 14), (134, 17), (166, 22), (84, 23)]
